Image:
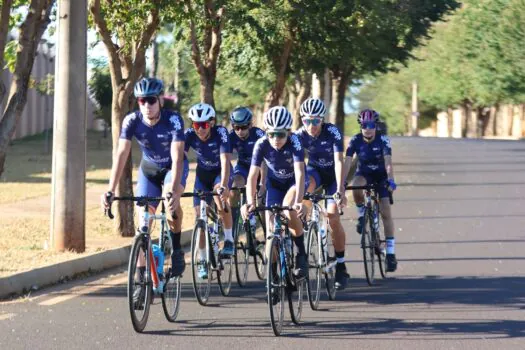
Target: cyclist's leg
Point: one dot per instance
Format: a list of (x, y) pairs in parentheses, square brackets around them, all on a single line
[(296, 229), (226, 216), (240, 174), (359, 199), (314, 180), (177, 258), (388, 223), (274, 195), (203, 182)]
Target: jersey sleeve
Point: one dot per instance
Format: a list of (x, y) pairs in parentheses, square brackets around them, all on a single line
[(298, 152), (259, 133), (350, 151), (178, 128), (257, 157), (337, 137), (387, 147), (128, 126), (188, 134), (231, 139), (224, 140)]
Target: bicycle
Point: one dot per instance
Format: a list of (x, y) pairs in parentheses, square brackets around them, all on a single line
[(246, 242), (150, 278), (280, 279), (213, 260), (372, 243), (321, 257)]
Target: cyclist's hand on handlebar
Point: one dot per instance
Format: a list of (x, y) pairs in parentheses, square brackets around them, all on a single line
[(340, 200), (173, 201), (246, 209), (106, 200), (299, 208), (391, 185), (223, 193)]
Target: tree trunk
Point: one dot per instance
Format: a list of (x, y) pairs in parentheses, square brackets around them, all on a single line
[(154, 59), (275, 94), (450, 114), (302, 89), (490, 129), (5, 11), (340, 82), (30, 34), (207, 86)]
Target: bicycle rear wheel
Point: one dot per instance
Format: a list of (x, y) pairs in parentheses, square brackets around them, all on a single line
[(295, 300), (380, 246), (241, 252), (139, 285), (201, 286), (275, 288), (172, 290), (224, 265), (368, 248), (313, 251), (329, 267)]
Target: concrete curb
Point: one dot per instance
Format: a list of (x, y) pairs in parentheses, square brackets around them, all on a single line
[(38, 278)]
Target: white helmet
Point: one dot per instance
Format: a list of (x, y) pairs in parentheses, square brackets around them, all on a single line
[(313, 107), (201, 112), (277, 118)]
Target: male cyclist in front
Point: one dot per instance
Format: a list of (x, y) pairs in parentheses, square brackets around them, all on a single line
[(374, 166), (242, 138), (212, 147), (285, 181), (160, 134), (324, 144)]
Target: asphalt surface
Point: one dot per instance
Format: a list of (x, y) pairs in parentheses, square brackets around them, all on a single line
[(460, 227)]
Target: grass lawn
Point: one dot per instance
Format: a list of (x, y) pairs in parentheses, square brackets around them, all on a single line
[(25, 195)]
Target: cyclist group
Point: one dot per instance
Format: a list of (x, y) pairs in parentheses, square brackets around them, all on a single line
[(270, 162)]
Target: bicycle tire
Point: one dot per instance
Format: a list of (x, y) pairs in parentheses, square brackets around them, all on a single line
[(260, 261), (368, 248), (241, 253), (275, 288), (224, 269), (172, 290), (201, 287), (138, 248), (329, 274), (380, 246), (313, 251), (296, 304)]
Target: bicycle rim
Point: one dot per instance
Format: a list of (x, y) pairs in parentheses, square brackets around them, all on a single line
[(329, 275), (313, 287), (380, 248), (139, 309), (224, 274), (368, 249), (275, 289), (201, 287), (171, 293), (260, 262), (241, 254), (295, 301)]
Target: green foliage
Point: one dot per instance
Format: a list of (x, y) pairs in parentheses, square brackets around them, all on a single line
[(101, 89)]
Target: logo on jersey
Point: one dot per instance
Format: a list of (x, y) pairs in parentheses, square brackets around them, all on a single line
[(295, 142), (333, 129), (175, 121), (259, 133), (386, 140), (224, 134)]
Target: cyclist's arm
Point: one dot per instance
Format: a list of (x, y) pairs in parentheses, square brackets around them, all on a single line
[(264, 171), (123, 150), (339, 171), (177, 165), (225, 169), (389, 168), (251, 184), (299, 181)]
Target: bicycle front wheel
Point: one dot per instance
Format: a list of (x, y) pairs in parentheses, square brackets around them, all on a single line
[(368, 248), (200, 268), (139, 284), (313, 287), (241, 252), (275, 288)]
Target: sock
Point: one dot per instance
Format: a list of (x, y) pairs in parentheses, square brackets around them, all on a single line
[(340, 257), (299, 243), (360, 210), (202, 254), (175, 239), (390, 245), (228, 234)]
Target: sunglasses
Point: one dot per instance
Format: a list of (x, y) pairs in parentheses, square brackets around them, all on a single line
[(201, 125), (149, 99), (368, 125), (240, 127), (312, 121), (277, 134)]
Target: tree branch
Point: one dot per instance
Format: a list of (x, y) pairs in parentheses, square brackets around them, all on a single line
[(4, 31)]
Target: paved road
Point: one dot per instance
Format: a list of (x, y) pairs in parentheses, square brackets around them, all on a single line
[(460, 223)]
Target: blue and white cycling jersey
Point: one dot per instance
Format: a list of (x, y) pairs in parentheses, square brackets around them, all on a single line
[(245, 147), (209, 151), (321, 149), (155, 141), (371, 156), (280, 162)]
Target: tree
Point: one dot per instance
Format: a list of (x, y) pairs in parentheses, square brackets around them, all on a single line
[(100, 88), (127, 29), (5, 11), (30, 33)]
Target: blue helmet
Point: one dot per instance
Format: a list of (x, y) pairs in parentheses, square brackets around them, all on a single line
[(241, 115), (148, 87)]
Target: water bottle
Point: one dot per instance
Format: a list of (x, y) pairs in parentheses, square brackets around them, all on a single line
[(214, 239), (253, 223), (376, 222), (159, 258)]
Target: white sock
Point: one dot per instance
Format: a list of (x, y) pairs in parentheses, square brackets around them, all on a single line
[(228, 234), (360, 210), (202, 254), (340, 260), (390, 245)]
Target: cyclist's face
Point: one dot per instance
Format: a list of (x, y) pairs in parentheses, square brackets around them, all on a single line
[(203, 133), (369, 133), (242, 130), (313, 125), (149, 107), (277, 139)]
